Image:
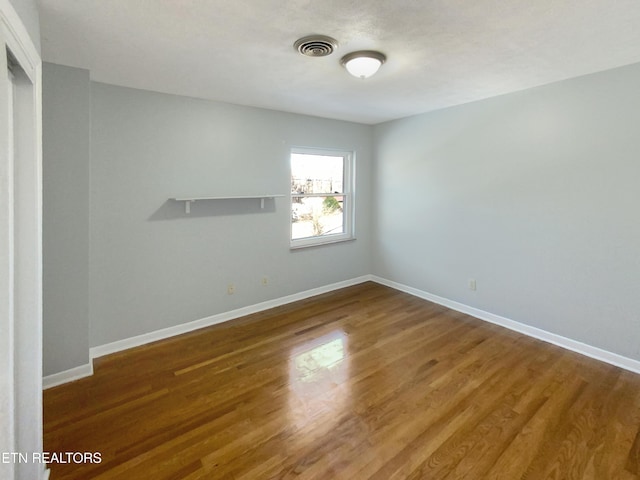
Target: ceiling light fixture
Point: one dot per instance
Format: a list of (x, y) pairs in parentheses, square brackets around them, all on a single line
[(364, 63)]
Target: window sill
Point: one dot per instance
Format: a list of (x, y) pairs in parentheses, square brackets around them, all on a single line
[(321, 243)]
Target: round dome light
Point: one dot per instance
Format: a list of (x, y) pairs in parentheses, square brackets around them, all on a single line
[(363, 64)]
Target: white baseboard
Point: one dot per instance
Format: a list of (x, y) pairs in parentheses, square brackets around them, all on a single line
[(67, 376), (569, 344), (120, 345), (139, 340)]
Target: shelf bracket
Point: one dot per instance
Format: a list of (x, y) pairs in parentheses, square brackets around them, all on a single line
[(262, 203), (187, 206)]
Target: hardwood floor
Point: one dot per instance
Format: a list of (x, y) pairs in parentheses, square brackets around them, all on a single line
[(362, 383)]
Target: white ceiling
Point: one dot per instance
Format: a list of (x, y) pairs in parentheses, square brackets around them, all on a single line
[(440, 52)]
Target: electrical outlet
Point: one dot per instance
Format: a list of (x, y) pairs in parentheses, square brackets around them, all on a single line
[(472, 284), (264, 281), (231, 289)]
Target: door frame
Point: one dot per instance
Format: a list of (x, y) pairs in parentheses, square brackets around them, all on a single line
[(20, 248)]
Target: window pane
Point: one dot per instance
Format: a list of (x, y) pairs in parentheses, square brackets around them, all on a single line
[(317, 216), (316, 173), (321, 201)]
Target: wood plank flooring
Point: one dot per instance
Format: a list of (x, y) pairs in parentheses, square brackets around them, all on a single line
[(362, 383)]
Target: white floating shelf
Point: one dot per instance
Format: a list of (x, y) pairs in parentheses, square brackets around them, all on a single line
[(188, 200)]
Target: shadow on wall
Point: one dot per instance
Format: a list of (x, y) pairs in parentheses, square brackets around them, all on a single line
[(172, 210)]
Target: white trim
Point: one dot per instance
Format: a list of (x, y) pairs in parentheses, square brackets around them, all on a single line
[(348, 194), (320, 244), (127, 343), (45, 474), (569, 344), (19, 41), (24, 222), (67, 376), (118, 346), (8, 413)]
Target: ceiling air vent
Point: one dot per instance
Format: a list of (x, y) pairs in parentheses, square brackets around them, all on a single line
[(316, 45)]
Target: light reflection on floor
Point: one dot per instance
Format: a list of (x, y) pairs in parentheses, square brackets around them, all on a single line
[(317, 374)]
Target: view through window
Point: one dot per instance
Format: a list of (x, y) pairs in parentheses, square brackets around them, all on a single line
[(321, 202)]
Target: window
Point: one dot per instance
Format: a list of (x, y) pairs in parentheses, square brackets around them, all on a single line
[(321, 197)]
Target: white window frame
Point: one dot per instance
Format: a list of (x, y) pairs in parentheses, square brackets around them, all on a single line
[(348, 194)]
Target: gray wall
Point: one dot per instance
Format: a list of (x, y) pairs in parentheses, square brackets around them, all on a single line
[(66, 123), (152, 266), (27, 10), (534, 194)]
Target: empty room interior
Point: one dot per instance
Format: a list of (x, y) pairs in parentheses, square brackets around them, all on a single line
[(336, 240)]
